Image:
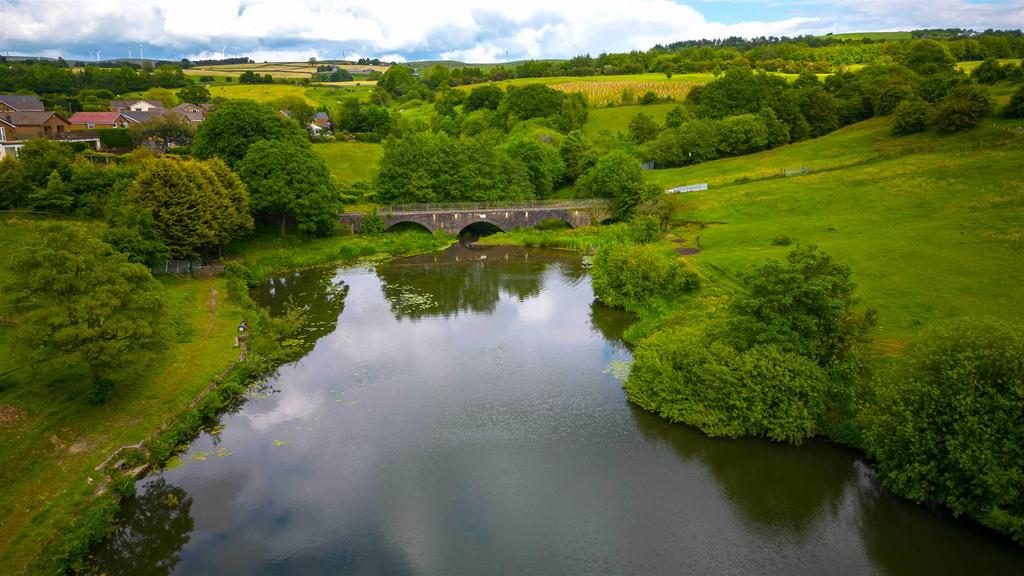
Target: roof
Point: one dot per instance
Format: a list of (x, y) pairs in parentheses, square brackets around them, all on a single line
[(119, 104), (142, 116), (191, 116), (94, 117), (321, 116), (22, 103), (34, 118)]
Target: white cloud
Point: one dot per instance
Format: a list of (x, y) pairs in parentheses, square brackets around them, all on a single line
[(475, 30)]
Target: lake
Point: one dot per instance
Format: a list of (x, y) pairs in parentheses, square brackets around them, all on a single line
[(462, 413)]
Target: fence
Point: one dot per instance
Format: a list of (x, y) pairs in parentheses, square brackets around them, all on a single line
[(801, 171), (485, 206)]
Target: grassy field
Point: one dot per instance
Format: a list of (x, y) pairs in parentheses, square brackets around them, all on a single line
[(351, 161), (616, 119), (259, 92), (53, 438), (932, 226), (970, 65)]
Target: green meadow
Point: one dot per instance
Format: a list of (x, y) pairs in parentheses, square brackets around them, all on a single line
[(351, 162)]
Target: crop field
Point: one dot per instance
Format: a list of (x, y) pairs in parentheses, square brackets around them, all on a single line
[(602, 94), (275, 69), (931, 225)]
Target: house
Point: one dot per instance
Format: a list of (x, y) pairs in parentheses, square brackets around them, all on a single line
[(322, 120), (20, 103), (135, 105), (191, 112), (93, 120), (139, 116), (27, 125)]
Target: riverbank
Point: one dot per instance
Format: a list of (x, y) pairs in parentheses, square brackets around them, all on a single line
[(54, 439)]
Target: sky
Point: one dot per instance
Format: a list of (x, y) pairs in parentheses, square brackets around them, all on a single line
[(467, 30)]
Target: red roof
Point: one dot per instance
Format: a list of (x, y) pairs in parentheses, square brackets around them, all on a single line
[(94, 117)]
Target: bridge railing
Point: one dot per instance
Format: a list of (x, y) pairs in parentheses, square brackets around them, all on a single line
[(576, 204)]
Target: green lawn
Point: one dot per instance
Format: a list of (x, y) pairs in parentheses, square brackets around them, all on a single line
[(57, 438), (616, 118), (259, 92), (933, 226), (351, 161)]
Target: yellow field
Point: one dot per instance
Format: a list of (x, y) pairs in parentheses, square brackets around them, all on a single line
[(275, 69), (601, 94), (350, 83), (260, 92), (363, 67)]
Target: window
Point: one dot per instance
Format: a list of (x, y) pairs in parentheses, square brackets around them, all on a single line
[(90, 125)]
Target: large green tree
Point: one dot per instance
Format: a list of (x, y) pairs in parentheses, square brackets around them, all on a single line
[(618, 176), (237, 124), (195, 94), (195, 206), (288, 180), (79, 300)]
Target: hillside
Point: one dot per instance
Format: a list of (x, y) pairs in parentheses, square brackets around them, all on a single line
[(932, 226)]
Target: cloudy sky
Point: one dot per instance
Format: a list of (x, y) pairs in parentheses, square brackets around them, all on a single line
[(468, 30)]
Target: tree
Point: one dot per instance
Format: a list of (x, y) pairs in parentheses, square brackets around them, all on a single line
[(910, 117), (805, 305), (677, 116), (192, 209), (927, 57), (236, 124), (618, 176), (963, 109), (578, 154), (39, 157), (988, 72), (195, 94), (948, 422), (54, 196), (81, 300), (531, 101), (163, 131), (1015, 109), (643, 128), (289, 180), (14, 184), (819, 109), (542, 161)]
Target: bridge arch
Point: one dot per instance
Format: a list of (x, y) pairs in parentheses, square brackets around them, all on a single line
[(480, 228), (553, 222), (408, 225)]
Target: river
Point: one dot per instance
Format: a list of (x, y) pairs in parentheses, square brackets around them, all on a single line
[(461, 413)]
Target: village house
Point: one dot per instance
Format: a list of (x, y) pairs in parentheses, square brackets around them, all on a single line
[(27, 125), (135, 105), (94, 120)]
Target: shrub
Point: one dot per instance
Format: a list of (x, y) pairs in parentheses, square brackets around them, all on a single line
[(1015, 109), (115, 137), (373, 224), (632, 276), (687, 377), (910, 117), (963, 109), (781, 240), (948, 423)]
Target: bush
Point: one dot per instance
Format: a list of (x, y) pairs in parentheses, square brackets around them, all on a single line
[(373, 224), (910, 117), (115, 138), (963, 109), (764, 391), (948, 423), (781, 240), (632, 276), (1015, 109)]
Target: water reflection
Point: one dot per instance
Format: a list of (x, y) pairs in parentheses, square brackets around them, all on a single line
[(611, 323), (316, 291), (775, 486), (157, 523)]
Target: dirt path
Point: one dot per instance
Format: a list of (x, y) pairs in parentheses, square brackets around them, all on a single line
[(213, 312)]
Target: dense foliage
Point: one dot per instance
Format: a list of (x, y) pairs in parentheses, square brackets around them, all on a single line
[(195, 206), (286, 181), (79, 300), (235, 125), (631, 276), (948, 422)]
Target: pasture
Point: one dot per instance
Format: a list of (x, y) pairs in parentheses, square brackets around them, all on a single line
[(351, 162), (933, 226)]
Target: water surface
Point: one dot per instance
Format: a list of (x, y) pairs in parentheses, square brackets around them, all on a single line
[(459, 413)]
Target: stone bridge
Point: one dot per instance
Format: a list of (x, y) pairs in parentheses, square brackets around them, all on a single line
[(455, 218)]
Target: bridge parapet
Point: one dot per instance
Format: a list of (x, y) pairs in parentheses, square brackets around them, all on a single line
[(455, 217)]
